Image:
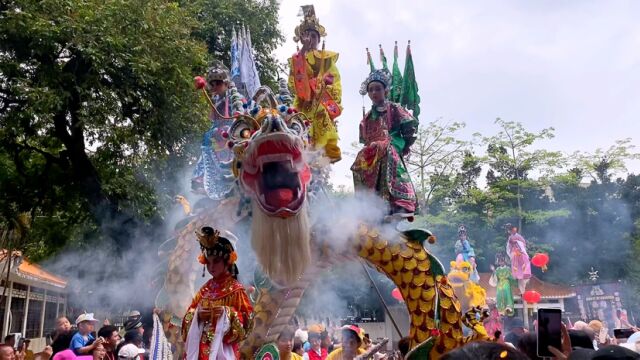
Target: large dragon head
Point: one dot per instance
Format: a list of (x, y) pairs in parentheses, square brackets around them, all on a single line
[(270, 142), (270, 149)]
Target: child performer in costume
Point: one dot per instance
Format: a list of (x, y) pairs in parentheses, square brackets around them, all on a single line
[(501, 280), (517, 251), (315, 81), (387, 132), (212, 175), (220, 315), (465, 252)]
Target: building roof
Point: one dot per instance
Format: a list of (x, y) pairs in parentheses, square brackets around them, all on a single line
[(546, 290), (30, 271)]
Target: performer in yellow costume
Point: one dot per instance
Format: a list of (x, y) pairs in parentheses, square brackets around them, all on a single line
[(220, 315), (315, 81)]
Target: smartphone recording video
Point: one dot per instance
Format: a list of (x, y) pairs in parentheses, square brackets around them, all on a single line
[(549, 331), (622, 333)]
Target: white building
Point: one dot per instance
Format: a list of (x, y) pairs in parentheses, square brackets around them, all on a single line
[(35, 299)]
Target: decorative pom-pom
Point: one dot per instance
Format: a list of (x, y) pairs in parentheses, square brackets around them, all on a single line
[(230, 144), (199, 82), (225, 135)]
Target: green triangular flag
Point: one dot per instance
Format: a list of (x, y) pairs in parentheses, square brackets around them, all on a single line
[(383, 58), (410, 98), (370, 61), (395, 95)]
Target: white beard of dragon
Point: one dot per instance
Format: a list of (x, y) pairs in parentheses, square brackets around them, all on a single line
[(282, 258)]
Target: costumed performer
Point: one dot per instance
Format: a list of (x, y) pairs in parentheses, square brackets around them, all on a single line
[(316, 352), (387, 132), (493, 323), (220, 315), (501, 279), (352, 340), (470, 294), (315, 81), (465, 252), (213, 175), (517, 251)]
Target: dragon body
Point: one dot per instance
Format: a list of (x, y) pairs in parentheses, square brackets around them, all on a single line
[(273, 174)]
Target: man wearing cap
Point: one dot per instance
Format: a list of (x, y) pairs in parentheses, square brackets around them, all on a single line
[(134, 322), (130, 352), (316, 352), (220, 315), (83, 343), (352, 338)]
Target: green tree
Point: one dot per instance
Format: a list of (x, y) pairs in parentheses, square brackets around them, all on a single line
[(435, 158), (601, 165), (512, 160), (94, 95)]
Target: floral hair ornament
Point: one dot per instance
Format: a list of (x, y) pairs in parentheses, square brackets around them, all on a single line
[(233, 257)]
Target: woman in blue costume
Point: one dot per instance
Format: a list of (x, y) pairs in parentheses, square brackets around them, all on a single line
[(212, 175)]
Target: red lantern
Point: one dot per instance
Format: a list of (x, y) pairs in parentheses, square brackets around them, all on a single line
[(397, 295), (532, 296), (540, 260)]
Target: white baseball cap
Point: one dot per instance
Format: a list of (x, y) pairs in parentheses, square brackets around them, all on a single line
[(86, 317), (130, 351)]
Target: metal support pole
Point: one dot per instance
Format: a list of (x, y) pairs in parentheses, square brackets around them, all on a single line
[(26, 312), (44, 308), (393, 321)]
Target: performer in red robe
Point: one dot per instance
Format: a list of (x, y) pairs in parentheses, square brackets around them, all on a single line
[(220, 315)]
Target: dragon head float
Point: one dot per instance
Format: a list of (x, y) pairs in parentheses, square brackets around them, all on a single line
[(269, 142)]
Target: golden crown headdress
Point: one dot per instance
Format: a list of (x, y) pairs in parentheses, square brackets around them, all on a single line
[(309, 22), (208, 237)]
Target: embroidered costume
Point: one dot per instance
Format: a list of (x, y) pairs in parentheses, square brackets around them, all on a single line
[(220, 315), (212, 175), (314, 79), (387, 132)]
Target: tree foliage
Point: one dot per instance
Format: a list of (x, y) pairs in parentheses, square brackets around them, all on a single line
[(97, 109)]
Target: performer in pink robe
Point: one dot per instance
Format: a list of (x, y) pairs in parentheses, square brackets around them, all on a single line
[(517, 251)]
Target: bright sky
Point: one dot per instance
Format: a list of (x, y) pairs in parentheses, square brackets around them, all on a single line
[(572, 65)]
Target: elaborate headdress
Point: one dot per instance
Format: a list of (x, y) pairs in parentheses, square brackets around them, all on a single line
[(382, 76), (214, 244), (462, 230), (217, 71), (309, 22)]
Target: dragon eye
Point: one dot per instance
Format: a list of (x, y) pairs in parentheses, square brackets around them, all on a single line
[(241, 129), (296, 125), (245, 133), (296, 128)]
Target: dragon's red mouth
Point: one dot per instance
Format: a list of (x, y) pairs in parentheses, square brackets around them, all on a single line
[(275, 174)]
